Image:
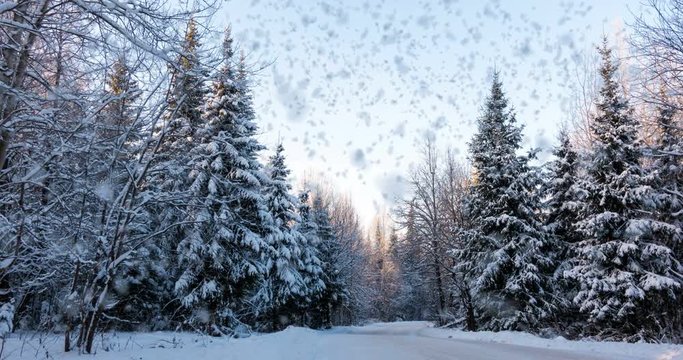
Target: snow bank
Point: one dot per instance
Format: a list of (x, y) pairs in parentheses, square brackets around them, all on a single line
[(622, 349), (394, 341)]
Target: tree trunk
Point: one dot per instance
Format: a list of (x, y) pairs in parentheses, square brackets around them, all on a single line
[(4, 145), (67, 338), (92, 322), (471, 321), (92, 328), (439, 285), (69, 320)]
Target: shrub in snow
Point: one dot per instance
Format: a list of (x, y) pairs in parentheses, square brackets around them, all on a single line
[(6, 318)]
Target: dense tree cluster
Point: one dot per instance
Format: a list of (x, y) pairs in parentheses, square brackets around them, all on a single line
[(587, 245), (147, 207)]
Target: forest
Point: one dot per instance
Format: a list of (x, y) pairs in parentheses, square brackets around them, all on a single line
[(135, 195)]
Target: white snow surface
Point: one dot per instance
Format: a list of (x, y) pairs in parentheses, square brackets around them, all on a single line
[(392, 341)]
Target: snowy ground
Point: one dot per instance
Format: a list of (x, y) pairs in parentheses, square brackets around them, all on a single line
[(392, 341)]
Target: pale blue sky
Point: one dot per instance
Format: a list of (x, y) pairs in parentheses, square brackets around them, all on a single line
[(354, 85)]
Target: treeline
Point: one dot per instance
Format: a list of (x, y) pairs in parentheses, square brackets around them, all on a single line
[(587, 245), (131, 192)]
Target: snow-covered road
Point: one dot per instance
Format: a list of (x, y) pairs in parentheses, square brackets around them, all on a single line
[(413, 344), (391, 341)]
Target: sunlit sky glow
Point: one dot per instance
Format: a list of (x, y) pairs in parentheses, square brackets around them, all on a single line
[(355, 85)]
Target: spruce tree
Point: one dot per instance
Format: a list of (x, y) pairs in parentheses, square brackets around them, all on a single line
[(562, 211), (621, 268), (123, 93), (329, 249), (311, 266), (667, 173), (508, 257), (187, 84), (183, 116), (561, 191), (666, 176), (169, 174), (221, 255), (285, 282)]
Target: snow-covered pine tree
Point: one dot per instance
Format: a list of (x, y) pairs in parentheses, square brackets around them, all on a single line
[(120, 112), (180, 124), (562, 210), (329, 251), (183, 117), (222, 254), (285, 282), (509, 257), (561, 205), (666, 176), (311, 266), (187, 86), (169, 182), (621, 267)]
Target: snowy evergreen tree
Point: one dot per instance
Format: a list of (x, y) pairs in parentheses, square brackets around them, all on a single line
[(120, 112), (666, 177), (187, 86), (562, 211), (96, 288), (621, 267), (329, 251), (169, 180), (285, 282), (667, 173), (508, 257), (311, 267), (221, 255), (181, 121), (561, 192)]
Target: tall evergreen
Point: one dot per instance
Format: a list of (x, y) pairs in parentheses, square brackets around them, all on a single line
[(187, 88), (169, 174), (562, 211), (311, 266), (508, 257), (123, 93), (621, 267), (329, 249), (221, 255), (183, 116), (285, 282), (666, 176), (561, 191)]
